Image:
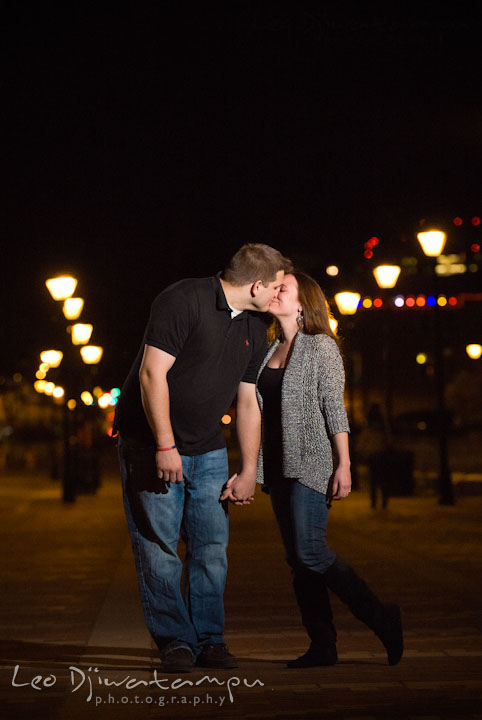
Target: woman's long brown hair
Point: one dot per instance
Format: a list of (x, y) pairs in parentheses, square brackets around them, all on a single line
[(316, 311)]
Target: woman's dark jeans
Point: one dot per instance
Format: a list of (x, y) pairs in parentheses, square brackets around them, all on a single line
[(302, 516)]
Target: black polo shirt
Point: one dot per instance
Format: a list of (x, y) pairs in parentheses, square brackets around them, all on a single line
[(191, 320)]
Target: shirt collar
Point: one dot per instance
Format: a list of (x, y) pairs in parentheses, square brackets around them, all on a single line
[(221, 302)]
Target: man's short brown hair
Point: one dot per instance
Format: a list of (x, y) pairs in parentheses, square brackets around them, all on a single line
[(255, 261)]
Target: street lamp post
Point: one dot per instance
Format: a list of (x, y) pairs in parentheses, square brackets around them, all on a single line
[(432, 243), (387, 277), (62, 289), (347, 304)]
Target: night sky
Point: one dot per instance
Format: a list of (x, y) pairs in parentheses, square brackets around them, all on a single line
[(142, 148)]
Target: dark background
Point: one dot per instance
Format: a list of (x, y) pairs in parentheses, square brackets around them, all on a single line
[(142, 147)]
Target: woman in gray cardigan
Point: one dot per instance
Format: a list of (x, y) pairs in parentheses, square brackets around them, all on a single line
[(300, 392)]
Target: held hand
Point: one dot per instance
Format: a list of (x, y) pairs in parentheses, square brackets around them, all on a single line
[(169, 465), (240, 489), (341, 483)]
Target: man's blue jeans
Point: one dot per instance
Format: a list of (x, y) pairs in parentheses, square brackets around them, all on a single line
[(302, 517), (157, 515)]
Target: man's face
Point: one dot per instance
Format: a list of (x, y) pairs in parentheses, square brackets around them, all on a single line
[(265, 294)]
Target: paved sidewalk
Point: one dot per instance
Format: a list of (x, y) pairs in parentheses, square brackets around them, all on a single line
[(71, 615)]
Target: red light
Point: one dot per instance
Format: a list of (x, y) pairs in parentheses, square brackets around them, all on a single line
[(368, 254), (476, 221), (374, 241), (410, 302), (458, 221), (453, 301), (109, 432), (378, 302), (475, 248), (420, 301)]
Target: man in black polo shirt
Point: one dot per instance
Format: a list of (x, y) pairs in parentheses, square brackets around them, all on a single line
[(203, 344)]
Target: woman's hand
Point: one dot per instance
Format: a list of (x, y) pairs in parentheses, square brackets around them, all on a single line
[(341, 484), (240, 489)]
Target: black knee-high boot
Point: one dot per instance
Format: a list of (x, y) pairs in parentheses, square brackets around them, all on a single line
[(384, 620), (314, 603)]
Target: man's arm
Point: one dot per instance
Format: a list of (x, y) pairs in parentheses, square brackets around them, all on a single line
[(240, 488), (155, 399)]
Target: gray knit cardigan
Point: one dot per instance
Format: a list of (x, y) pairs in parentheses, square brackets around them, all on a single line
[(312, 409)]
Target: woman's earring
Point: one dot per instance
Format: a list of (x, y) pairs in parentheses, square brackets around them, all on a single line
[(300, 321)]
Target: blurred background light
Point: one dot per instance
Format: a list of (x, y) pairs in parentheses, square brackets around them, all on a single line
[(73, 307), (474, 351), (81, 333), (386, 275), (105, 400), (62, 287), (91, 354), (347, 302), (432, 242), (52, 358)]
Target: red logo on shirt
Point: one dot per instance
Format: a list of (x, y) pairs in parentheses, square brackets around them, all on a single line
[(247, 343)]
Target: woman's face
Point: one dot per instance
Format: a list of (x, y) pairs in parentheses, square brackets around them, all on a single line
[(286, 304)]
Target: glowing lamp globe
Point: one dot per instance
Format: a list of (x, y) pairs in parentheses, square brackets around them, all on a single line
[(73, 307), (386, 275), (432, 242), (81, 333), (474, 351), (347, 302), (62, 287), (91, 354), (52, 358)]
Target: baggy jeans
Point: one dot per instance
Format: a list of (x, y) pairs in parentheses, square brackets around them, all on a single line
[(157, 514)]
